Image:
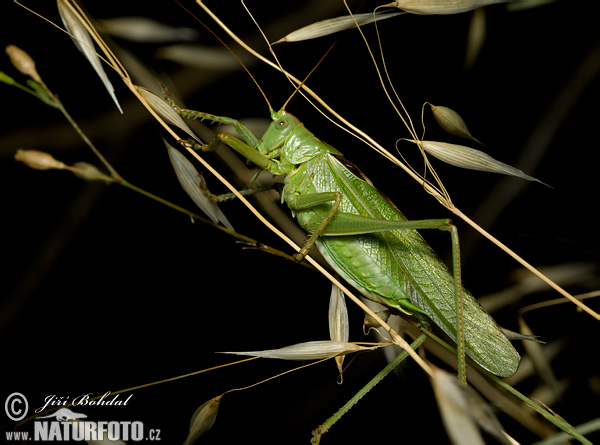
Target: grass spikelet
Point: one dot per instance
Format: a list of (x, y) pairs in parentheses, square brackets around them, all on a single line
[(312, 350), (454, 409), (339, 327), (451, 121), (337, 24), (442, 7), (23, 62), (145, 30), (166, 111), (464, 411), (38, 160), (475, 38), (203, 419), (84, 42), (87, 171), (190, 179), (469, 158)]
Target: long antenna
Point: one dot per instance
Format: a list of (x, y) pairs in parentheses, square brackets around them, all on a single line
[(308, 75), (231, 52), (301, 84)]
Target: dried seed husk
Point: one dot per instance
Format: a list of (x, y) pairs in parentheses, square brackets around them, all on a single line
[(454, 409), (466, 157), (442, 7), (38, 160), (88, 172), (189, 178), (369, 322), (522, 5), (339, 325), (23, 62), (313, 350), (203, 419), (84, 42), (339, 329), (451, 121), (475, 37), (142, 29), (463, 410), (337, 24), (201, 56), (166, 111)]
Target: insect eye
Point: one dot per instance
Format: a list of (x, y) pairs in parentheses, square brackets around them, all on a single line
[(281, 124)]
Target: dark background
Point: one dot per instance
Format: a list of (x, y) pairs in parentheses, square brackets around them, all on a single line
[(103, 289)]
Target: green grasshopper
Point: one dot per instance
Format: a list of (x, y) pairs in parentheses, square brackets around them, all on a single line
[(365, 238)]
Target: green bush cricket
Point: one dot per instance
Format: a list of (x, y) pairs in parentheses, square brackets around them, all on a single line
[(366, 239), (349, 225)]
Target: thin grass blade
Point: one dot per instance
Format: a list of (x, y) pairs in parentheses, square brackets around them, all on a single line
[(84, 42)]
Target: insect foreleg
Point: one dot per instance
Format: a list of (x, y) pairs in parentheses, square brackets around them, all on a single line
[(227, 196), (251, 147), (250, 153), (190, 143), (241, 129)]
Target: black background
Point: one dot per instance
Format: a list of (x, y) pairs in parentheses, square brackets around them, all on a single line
[(103, 289)]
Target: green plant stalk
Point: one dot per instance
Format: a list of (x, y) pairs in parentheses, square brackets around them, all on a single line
[(89, 143), (323, 428), (5, 78)]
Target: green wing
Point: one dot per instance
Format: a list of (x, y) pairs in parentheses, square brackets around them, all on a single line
[(408, 267)]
